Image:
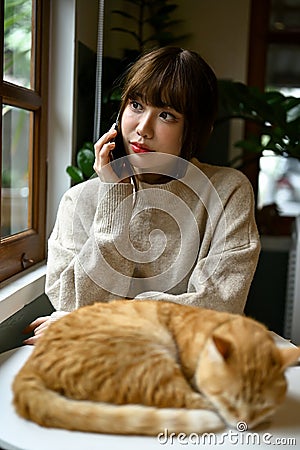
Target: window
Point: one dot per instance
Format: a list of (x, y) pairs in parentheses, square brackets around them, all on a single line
[(23, 96), (274, 63), (279, 177)]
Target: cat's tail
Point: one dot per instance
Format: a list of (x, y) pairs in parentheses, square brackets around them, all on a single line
[(35, 402)]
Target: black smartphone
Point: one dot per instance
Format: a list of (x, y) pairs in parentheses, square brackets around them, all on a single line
[(119, 149), (119, 152)]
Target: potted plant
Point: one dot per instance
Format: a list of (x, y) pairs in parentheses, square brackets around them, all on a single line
[(276, 115), (277, 119)]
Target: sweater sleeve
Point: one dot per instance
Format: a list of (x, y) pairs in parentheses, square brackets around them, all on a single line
[(227, 257), (86, 245)]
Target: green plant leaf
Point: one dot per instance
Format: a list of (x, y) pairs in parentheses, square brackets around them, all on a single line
[(75, 173), (124, 14), (123, 30), (88, 145), (291, 102), (274, 97), (85, 161), (293, 128), (252, 144)]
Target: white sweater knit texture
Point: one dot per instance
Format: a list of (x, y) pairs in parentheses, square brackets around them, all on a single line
[(191, 241)]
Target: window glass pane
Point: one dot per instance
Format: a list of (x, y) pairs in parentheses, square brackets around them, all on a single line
[(17, 42), (285, 15), (16, 170), (279, 183), (283, 66), (279, 177)]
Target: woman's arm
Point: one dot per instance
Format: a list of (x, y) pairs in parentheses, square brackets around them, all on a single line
[(83, 243)]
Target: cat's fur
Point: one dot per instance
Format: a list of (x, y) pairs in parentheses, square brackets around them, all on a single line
[(138, 367)]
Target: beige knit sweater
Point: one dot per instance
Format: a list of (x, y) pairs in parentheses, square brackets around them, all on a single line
[(191, 241)]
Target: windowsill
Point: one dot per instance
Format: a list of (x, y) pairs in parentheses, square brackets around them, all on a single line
[(21, 291)]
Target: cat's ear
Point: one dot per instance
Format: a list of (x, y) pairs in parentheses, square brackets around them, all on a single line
[(223, 346), (289, 356)]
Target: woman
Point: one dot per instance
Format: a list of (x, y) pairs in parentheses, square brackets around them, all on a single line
[(156, 223)]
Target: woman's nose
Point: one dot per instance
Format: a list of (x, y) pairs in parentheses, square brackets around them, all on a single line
[(144, 127)]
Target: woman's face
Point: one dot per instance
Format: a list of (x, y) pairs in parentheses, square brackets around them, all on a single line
[(148, 129)]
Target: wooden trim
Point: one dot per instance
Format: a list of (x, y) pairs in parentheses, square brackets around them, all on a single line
[(35, 20), (30, 172), (259, 21), (12, 250), (19, 96), (24, 249), (41, 174), (1, 80), (1, 39)]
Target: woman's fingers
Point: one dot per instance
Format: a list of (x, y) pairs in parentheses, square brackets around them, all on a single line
[(105, 144), (31, 341), (103, 149), (36, 323), (38, 326)]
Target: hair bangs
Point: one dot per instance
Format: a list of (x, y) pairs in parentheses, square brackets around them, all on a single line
[(159, 88)]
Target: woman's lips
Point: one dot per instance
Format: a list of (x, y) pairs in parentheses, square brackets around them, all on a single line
[(138, 148)]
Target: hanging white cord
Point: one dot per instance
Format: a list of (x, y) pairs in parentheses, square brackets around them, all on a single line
[(97, 112)]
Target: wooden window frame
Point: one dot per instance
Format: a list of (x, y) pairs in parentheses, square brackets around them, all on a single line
[(23, 250)]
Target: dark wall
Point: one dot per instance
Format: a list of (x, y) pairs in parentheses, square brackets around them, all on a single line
[(85, 95), (267, 297)]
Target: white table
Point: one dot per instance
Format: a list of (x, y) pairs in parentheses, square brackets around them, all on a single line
[(19, 434)]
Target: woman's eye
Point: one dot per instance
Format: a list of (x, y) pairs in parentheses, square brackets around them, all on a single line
[(167, 116), (136, 105)]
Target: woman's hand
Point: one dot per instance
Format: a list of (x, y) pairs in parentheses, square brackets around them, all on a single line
[(38, 326), (103, 148)]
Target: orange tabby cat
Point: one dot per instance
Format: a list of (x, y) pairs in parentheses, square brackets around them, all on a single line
[(138, 367)]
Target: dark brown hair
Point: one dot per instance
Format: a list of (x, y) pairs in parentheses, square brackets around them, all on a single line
[(183, 80)]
